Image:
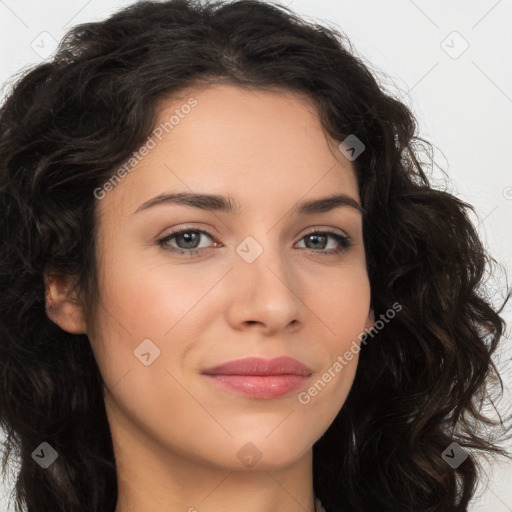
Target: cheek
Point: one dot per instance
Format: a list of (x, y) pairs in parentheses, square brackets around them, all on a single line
[(148, 295), (345, 311), (145, 300), (345, 307)]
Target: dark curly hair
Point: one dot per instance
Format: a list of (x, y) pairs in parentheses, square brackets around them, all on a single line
[(69, 123)]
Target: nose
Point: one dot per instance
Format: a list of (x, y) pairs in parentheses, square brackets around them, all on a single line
[(265, 292)]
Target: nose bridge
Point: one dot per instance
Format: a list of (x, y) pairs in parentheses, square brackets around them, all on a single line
[(262, 254)]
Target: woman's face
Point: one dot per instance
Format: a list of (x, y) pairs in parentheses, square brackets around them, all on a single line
[(260, 284)]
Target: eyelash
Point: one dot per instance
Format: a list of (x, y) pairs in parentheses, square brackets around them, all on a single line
[(344, 241)]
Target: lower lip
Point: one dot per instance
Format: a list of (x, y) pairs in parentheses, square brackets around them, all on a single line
[(260, 386)]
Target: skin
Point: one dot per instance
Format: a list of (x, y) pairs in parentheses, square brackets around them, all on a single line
[(176, 435)]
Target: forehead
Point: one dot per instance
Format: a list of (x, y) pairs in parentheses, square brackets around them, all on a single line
[(250, 144)]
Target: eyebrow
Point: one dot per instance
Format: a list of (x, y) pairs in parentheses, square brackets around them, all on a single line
[(215, 202)]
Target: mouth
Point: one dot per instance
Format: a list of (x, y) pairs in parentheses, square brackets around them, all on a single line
[(260, 378)]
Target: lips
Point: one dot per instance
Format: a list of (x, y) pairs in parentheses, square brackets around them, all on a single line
[(261, 367), (260, 378)]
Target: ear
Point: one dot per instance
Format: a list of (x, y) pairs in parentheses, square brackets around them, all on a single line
[(62, 306), (370, 321)]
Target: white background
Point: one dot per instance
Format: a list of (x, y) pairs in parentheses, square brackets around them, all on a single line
[(462, 99)]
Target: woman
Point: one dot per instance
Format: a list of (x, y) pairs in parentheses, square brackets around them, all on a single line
[(226, 282)]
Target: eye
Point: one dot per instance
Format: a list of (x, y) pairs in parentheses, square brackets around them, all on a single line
[(319, 237), (188, 241), (188, 238)]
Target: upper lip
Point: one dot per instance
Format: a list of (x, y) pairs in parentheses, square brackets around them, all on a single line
[(259, 366)]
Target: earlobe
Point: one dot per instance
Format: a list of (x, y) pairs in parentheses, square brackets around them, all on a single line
[(370, 321), (62, 306)]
